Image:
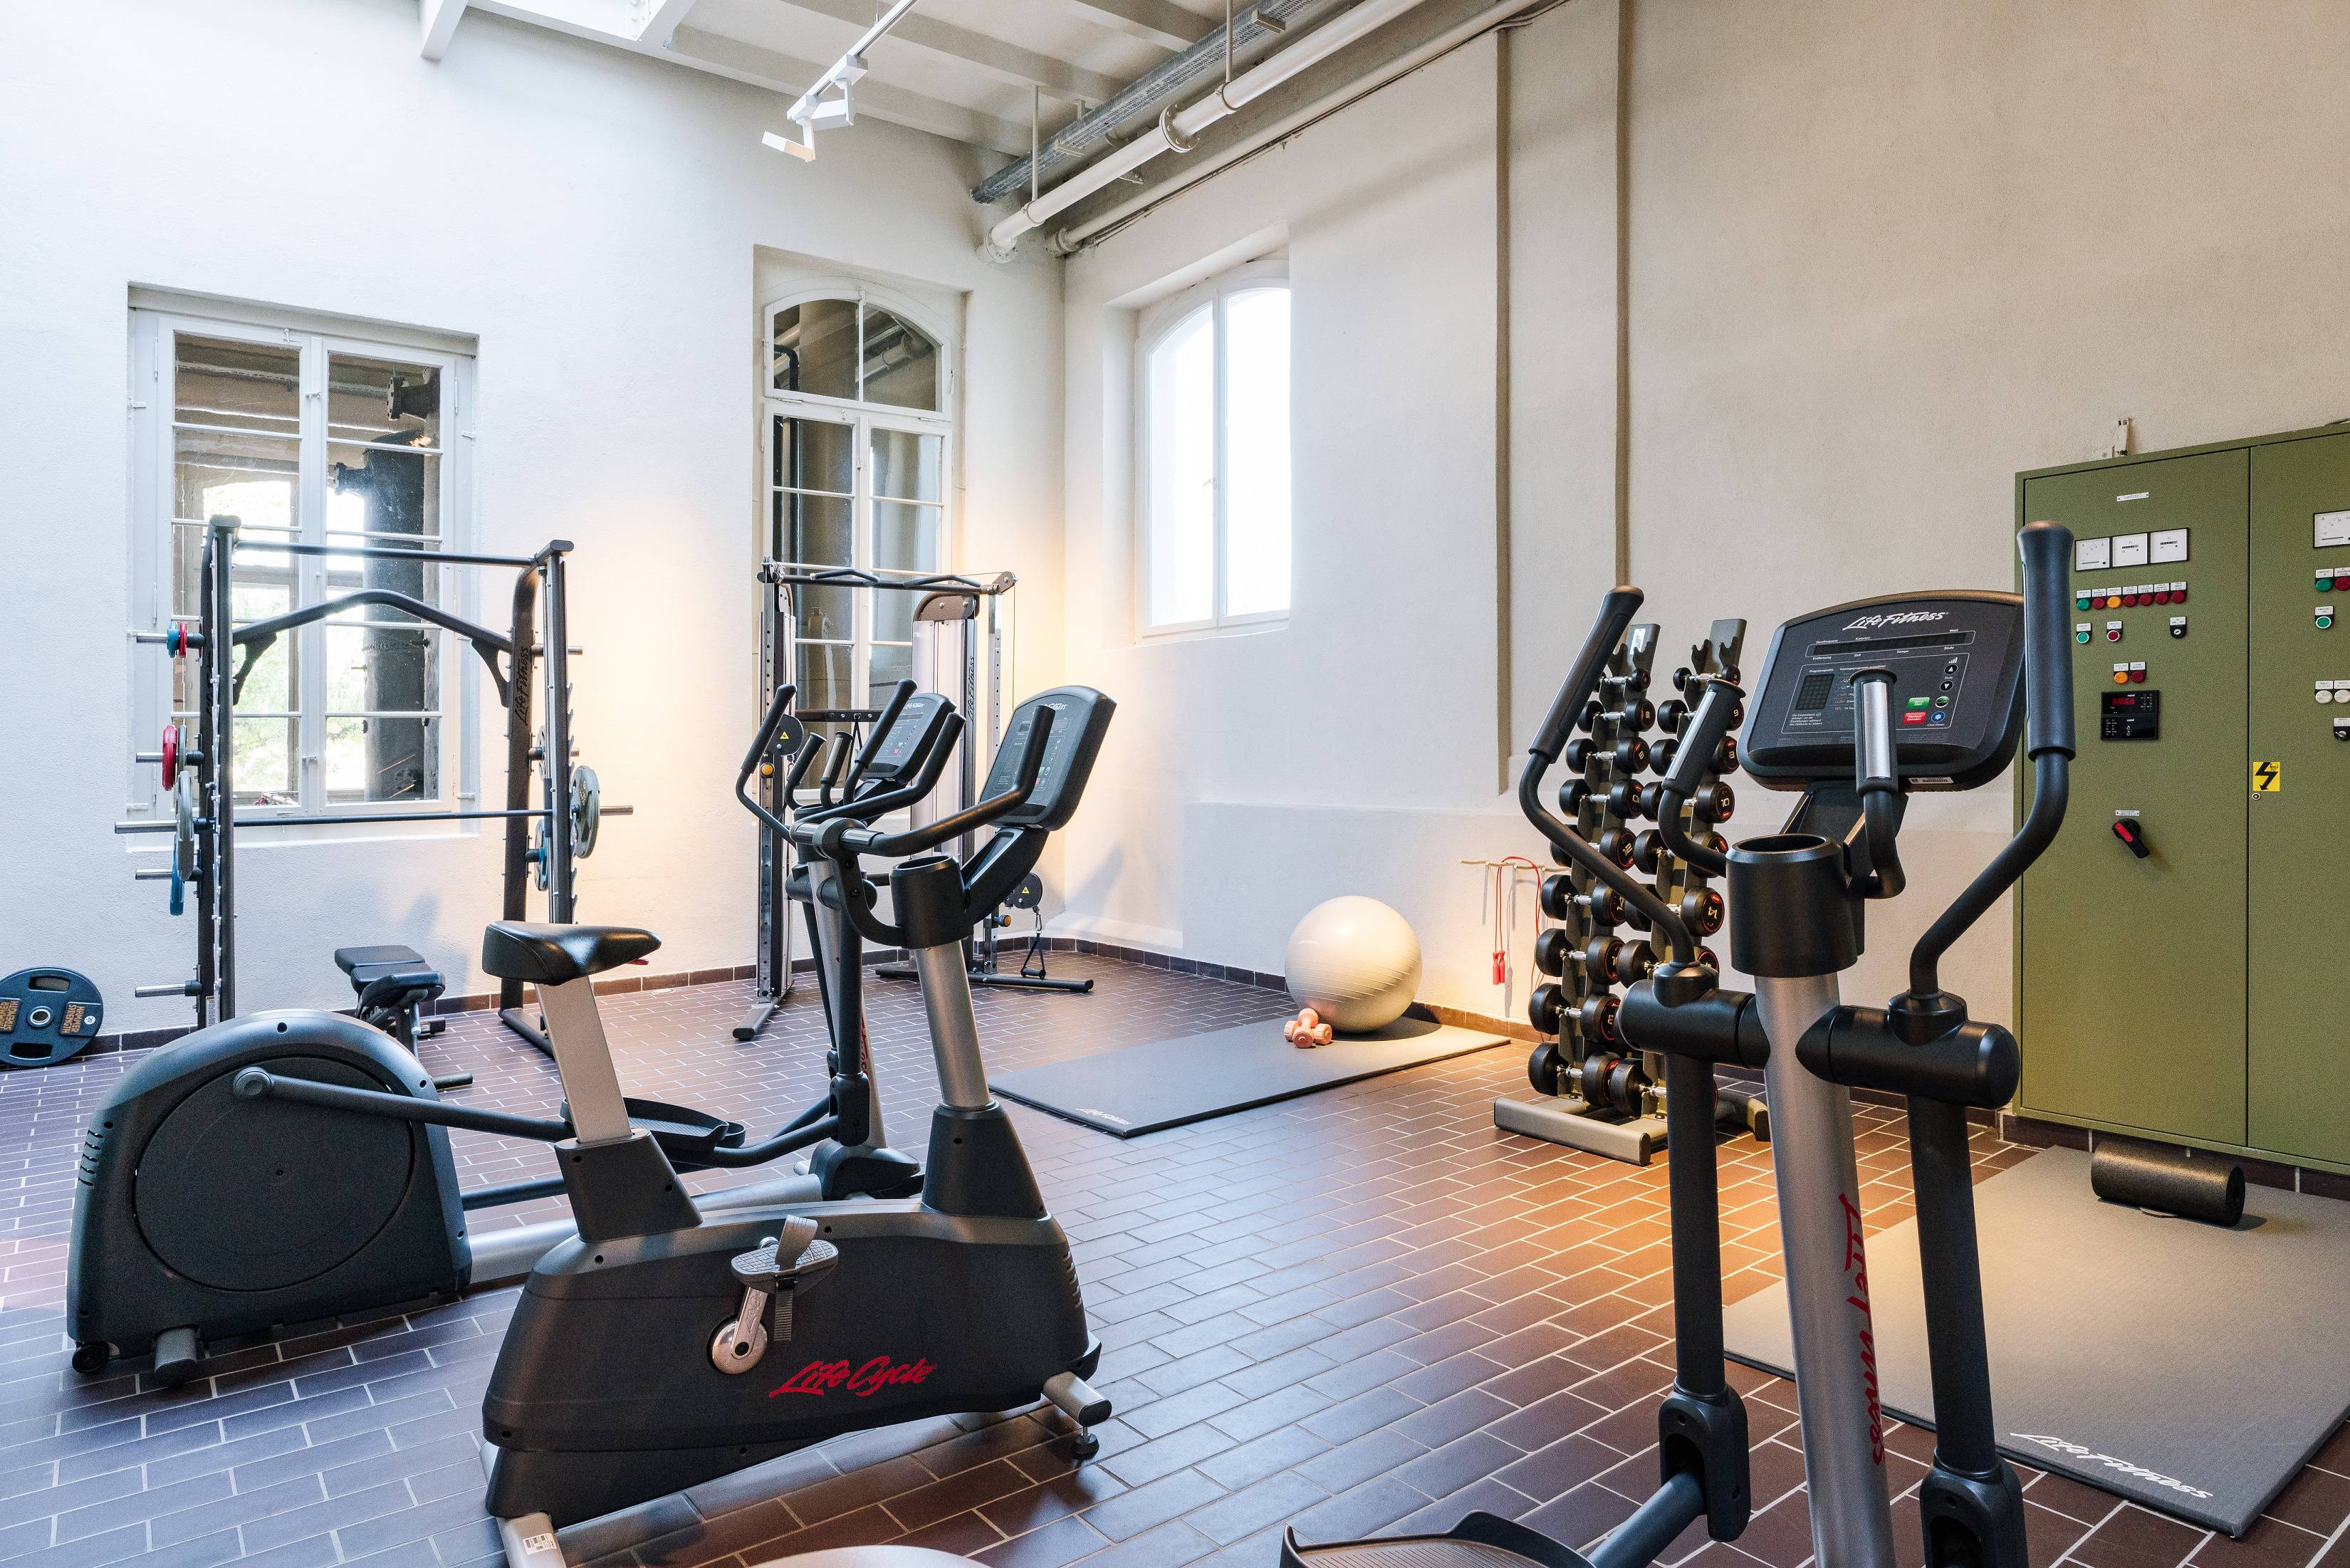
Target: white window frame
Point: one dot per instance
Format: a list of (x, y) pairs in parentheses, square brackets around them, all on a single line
[(156, 325), (1152, 329), (862, 419)]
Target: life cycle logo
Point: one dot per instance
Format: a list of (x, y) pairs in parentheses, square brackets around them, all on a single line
[(2091, 1457), (1908, 618), (1856, 1268), (861, 1382)]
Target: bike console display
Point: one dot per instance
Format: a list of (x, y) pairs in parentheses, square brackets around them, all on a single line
[(1080, 719), (1956, 661)]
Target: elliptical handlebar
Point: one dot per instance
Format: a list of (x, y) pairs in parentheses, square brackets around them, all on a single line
[(2047, 549), (876, 733), (776, 710), (1615, 612), (1716, 715)]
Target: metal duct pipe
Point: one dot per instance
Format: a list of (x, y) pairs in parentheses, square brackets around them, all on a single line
[(1487, 19), (1147, 95), (1175, 132)]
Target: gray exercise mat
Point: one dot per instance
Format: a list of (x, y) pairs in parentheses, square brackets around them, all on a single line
[(2190, 1368), (1147, 1088)]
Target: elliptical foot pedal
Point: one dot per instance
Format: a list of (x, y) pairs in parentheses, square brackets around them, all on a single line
[(776, 1271), (178, 1354), (1478, 1541)]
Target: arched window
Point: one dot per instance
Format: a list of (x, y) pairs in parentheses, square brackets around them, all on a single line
[(1213, 404), (859, 441)]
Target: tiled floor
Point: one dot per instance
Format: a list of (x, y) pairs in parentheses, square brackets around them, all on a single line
[(1362, 1311)]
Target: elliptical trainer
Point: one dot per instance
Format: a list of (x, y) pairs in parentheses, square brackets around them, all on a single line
[(1823, 722)]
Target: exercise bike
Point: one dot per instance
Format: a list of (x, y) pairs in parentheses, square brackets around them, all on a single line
[(1957, 665), (225, 1194), (665, 1346)]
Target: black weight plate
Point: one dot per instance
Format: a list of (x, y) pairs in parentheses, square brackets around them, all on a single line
[(47, 1015), (258, 1195)]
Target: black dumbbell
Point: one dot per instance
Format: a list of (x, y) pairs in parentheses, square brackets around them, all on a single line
[(1598, 1016), (1647, 849), (1701, 910), (1546, 1070), (1725, 756), (1670, 713), (1546, 1008), (1638, 713), (1632, 961), (1624, 799), (1714, 805), (1663, 753), (1631, 755), (1616, 845), (1557, 895), (1596, 960), (1571, 796), (1603, 904), (1551, 949), (1578, 753)]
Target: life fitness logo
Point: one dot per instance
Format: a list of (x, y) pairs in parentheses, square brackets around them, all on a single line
[(1856, 1268), (1908, 617), (861, 1382)]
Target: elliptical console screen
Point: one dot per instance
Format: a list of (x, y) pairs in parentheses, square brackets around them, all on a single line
[(1080, 720), (910, 738), (1958, 693)]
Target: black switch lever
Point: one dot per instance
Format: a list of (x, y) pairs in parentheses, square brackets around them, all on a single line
[(2133, 837)]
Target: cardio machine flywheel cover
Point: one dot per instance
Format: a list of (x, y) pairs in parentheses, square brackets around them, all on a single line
[(259, 1195)]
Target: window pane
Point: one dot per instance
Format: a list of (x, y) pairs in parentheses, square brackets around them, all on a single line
[(382, 758), (381, 402), (1180, 500), (827, 613), (1256, 452), (389, 490), (264, 762), (906, 464), (892, 662), (382, 668), (901, 362), (248, 386), (827, 684), (252, 478), (816, 454), (815, 530), (269, 685), (816, 349)]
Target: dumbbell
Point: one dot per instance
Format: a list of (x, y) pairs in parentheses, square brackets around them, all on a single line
[(1631, 755), (1571, 796), (1579, 752), (1546, 1070), (1603, 904), (1647, 851), (1616, 845), (1598, 1017), (1559, 900), (1701, 911), (1613, 1083), (1714, 805), (1725, 756), (1551, 949), (1632, 961), (1624, 799), (1637, 713), (1546, 1008), (1670, 713)]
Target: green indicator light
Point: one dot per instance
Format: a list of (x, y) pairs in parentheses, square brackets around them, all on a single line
[(2080, 637), (2081, 601), (2324, 621), (1917, 701)]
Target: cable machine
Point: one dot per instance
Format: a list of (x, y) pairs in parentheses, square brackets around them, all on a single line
[(974, 605), (199, 770)]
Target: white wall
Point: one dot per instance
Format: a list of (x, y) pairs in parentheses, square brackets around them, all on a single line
[(1880, 259), (591, 217)]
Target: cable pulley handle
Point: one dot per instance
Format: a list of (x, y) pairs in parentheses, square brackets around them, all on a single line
[(2047, 549), (1716, 716), (1616, 613), (877, 733)]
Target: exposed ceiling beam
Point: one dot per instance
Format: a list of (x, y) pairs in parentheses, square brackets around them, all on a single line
[(666, 18), (748, 63), (438, 18), (1009, 61), (1160, 22)]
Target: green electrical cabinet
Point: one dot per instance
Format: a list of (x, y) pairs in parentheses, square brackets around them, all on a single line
[(2171, 945)]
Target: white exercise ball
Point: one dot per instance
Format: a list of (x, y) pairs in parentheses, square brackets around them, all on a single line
[(1355, 961)]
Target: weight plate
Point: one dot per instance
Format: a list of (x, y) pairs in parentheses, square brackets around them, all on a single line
[(313, 1187), (47, 1015), (170, 755), (183, 828), (538, 854), (587, 810)]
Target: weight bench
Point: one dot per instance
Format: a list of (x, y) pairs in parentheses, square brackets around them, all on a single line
[(394, 986)]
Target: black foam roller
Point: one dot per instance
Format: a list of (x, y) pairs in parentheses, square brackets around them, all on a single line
[(2171, 1181)]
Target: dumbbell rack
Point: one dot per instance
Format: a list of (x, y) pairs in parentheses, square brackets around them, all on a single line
[(201, 781), (1594, 1096)]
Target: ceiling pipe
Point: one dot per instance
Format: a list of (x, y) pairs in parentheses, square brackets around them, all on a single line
[(1487, 19), (1176, 132)]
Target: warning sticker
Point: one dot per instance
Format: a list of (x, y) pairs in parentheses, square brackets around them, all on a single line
[(2268, 778)]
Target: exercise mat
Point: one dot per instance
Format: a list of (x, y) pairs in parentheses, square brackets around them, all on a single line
[(1147, 1088), (2187, 1368)]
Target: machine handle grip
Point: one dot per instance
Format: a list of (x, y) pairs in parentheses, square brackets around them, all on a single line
[(1616, 613), (2047, 551), (751, 759), (877, 732), (830, 838), (1716, 714)]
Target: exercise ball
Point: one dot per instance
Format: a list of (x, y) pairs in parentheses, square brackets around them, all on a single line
[(1355, 961)]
